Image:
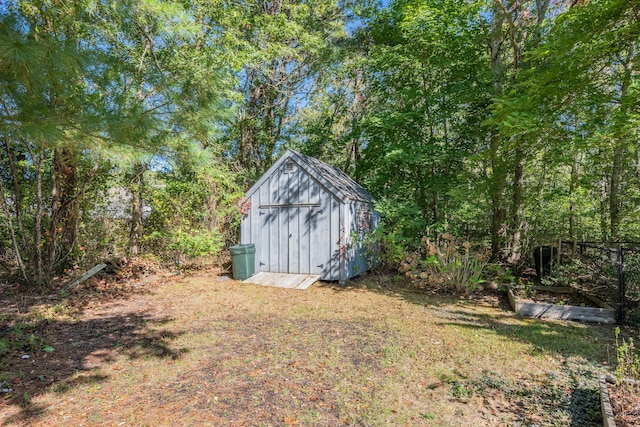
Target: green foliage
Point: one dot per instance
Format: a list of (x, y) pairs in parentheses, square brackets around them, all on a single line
[(570, 112), (421, 121), (460, 390), (393, 247), (193, 214), (193, 244), (400, 229), (20, 340), (183, 104), (283, 49), (130, 84), (627, 358), (499, 274), (455, 265), (568, 274), (177, 203)]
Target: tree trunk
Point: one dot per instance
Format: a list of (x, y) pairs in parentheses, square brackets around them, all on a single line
[(357, 107), (247, 123), (498, 212), (40, 277), (620, 149), (70, 207), (498, 176), (14, 241), (64, 210), (212, 206), (604, 224), (422, 198), (136, 230), (517, 209), (37, 233), (17, 194), (614, 190), (572, 198)]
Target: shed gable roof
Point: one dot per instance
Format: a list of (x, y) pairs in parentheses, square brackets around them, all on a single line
[(332, 178)]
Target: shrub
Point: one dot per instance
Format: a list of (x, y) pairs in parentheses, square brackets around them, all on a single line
[(400, 230), (196, 243), (456, 266), (445, 263), (393, 247), (192, 243), (628, 360)]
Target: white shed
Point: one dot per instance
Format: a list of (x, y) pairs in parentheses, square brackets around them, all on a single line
[(307, 217)]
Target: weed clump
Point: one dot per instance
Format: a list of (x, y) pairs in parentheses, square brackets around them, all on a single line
[(625, 393), (445, 263)]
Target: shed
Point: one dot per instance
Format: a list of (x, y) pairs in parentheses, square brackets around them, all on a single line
[(308, 217)]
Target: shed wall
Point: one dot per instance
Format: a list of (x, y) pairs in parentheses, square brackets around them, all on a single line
[(296, 225), (362, 219)]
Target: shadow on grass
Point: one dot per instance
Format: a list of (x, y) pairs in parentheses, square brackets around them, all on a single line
[(77, 349), (564, 340), (585, 407), (490, 310)]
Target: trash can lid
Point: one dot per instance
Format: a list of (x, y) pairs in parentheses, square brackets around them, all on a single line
[(242, 246), (242, 249)]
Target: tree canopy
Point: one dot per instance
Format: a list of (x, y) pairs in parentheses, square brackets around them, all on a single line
[(501, 121)]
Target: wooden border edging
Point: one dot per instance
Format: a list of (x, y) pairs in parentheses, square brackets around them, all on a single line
[(605, 404), (603, 314)]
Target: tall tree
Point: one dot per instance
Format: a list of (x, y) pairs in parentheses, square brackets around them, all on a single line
[(583, 85), (285, 46), (84, 82), (427, 82), (516, 27), (47, 114)]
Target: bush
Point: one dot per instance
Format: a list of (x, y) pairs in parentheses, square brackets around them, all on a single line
[(194, 215), (180, 244), (628, 360), (393, 247), (446, 263), (400, 231), (196, 244)]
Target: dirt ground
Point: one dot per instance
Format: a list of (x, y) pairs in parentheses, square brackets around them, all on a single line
[(625, 403), (206, 350)]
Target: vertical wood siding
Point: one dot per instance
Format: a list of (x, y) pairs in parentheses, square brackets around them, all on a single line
[(298, 226)]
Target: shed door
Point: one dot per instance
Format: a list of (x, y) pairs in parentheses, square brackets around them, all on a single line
[(289, 232)]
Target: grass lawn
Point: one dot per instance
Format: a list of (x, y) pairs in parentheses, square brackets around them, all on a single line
[(205, 351)]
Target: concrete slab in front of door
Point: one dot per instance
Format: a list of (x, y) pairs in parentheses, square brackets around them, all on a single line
[(284, 280)]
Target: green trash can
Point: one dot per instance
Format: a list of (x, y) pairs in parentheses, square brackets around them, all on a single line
[(243, 260)]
